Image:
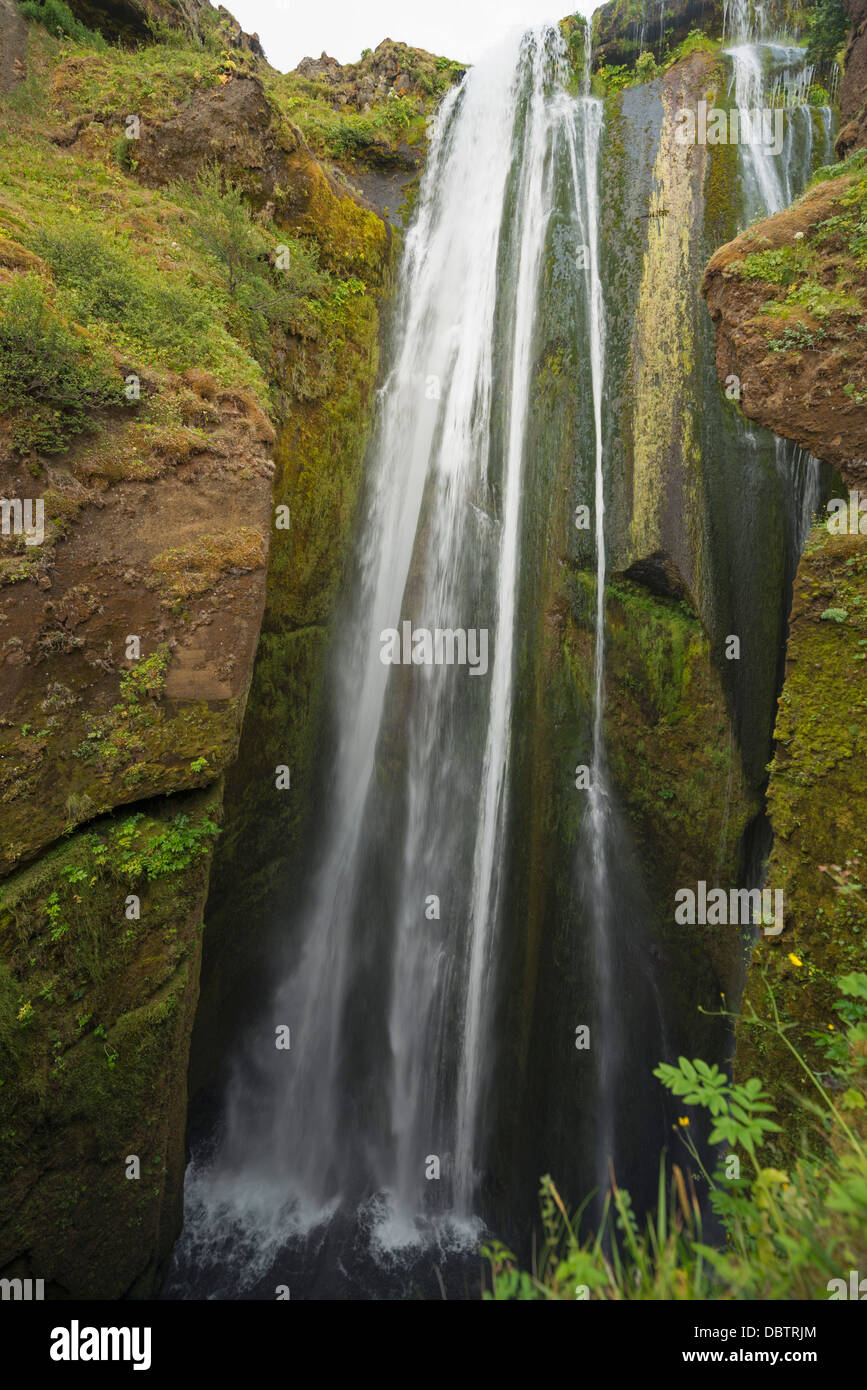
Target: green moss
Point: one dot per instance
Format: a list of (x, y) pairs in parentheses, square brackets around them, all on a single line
[(193, 569), (143, 744), (818, 810), (95, 1015)]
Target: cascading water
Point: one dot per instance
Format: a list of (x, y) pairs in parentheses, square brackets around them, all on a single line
[(770, 86), (388, 976), (388, 1006), (596, 832), (769, 76)]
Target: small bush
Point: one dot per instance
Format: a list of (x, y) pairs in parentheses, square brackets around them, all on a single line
[(56, 17), (827, 26), (46, 385), (107, 283), (261, 299)]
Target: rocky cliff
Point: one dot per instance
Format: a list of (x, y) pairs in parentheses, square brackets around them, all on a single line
[(788, 300)]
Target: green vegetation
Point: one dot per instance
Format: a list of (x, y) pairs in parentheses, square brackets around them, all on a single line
[(608, 78), (58, 18), (109, 283), (336, 128), (817, 282), (827, 26), (98, 980), (816, 802), (787, 1231), (48, 386), (261, 302)]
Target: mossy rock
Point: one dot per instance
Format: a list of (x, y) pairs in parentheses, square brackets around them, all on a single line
[(817, 803), (96, 1011)]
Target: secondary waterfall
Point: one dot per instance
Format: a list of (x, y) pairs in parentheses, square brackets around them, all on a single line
[(773, 77), (388, 999), (596, 831)]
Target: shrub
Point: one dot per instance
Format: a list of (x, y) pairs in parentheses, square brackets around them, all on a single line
[(827, 25), (261, 299), (57, 17), (46, 385), (107, 283), (787, 1234)]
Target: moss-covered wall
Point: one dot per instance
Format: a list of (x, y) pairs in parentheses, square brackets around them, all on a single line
[(96, 1010), (817, 802)]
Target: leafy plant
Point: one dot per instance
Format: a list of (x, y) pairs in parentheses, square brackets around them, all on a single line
[(827, 26), (58, 18), (47, 385), (786, 1234)]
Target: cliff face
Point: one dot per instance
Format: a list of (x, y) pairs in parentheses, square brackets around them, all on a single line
[(188, 340), (788, 300), (853, 103), (625, 28), (686, 740), (132, 22)]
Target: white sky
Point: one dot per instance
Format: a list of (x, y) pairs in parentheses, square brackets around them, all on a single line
[(462, 29)]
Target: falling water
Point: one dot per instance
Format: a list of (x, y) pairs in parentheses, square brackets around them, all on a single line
[(770, 76), (597, 830), (388, 1007)]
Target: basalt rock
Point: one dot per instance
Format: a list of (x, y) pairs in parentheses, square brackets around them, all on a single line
[(853, 87), (238, 127), (625, 28)]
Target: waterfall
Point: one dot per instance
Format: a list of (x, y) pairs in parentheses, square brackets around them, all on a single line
[(389, 970), (770, 76), (596, 835), (374, 1116)]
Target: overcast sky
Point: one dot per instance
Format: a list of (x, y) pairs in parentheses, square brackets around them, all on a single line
[(294, 29)]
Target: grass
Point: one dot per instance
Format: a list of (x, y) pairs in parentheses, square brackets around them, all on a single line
[(787, 1233), (817, 282), (50, 384)]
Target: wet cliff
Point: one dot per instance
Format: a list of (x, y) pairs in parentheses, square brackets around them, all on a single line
[(208, 286)]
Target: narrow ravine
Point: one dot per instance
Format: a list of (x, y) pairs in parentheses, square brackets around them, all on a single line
[(364, 1144)]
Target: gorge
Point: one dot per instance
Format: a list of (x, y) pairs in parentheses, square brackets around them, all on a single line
[(347, 948)]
